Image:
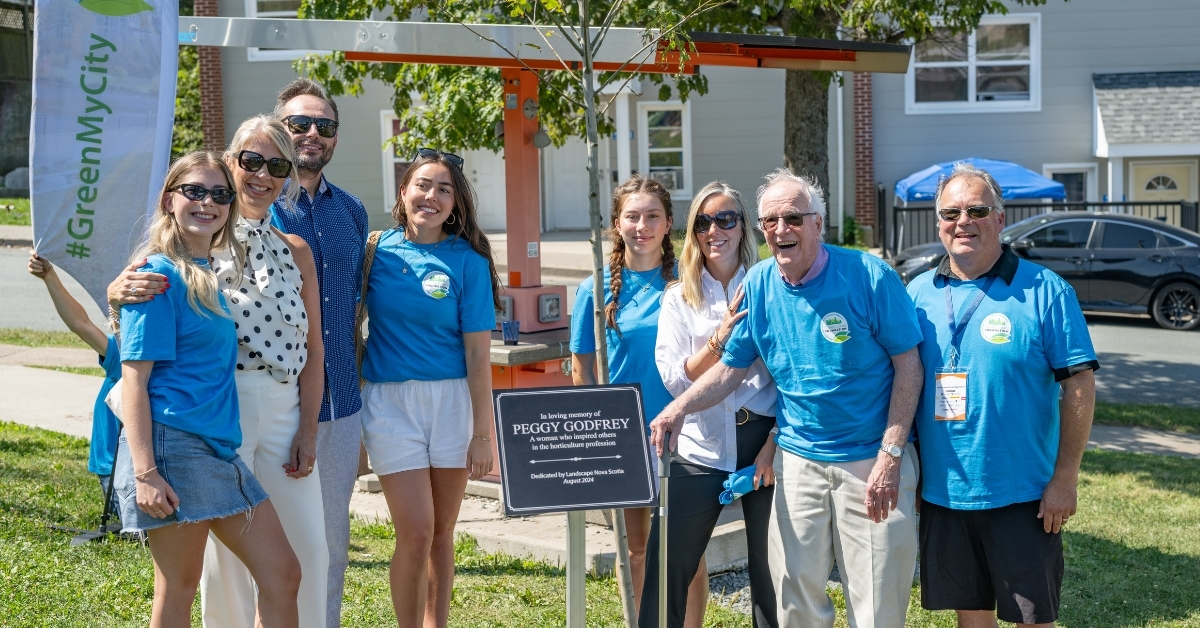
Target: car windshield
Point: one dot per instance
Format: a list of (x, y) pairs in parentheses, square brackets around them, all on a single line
[(1017, 229)]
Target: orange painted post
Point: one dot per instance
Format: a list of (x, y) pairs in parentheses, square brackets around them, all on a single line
[(522, 181)]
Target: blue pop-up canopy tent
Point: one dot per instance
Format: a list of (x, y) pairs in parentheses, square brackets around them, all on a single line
[(1015, 181)]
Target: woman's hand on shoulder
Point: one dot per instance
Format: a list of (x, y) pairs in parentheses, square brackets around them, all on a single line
[(731, 317), (133, 286)]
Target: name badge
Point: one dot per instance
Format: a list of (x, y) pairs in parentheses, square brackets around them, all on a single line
[(950, 395)]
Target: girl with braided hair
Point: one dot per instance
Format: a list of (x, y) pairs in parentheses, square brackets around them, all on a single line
[(641, 265)]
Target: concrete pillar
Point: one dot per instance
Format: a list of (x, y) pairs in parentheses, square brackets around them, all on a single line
[(1116, 179)]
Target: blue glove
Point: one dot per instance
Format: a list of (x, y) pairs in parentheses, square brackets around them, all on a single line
[(739, 483)]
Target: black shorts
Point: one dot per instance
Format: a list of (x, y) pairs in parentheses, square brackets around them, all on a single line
[(998, 559)]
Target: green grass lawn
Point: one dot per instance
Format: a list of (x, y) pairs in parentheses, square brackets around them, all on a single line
[(1153, 416), (94, 371), (14, 211), (1133, 554), (34, 338)]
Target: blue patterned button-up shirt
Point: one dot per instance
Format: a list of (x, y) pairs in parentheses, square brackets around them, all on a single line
[(334, 224)]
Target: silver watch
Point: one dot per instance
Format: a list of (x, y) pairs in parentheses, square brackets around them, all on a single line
[(892, 450)]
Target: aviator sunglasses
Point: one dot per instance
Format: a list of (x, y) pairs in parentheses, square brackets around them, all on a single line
[(301, 124), (193, 192), (725, 219), (431, 153), (791, 220), (277, 167), (952, 213)]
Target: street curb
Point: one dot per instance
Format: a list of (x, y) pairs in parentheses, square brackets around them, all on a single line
[(16, 243)]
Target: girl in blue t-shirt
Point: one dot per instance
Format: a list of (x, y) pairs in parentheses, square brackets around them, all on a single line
[(641, 265), (180, 476), (431, 297)]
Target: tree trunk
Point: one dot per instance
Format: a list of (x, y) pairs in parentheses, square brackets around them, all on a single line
[(806, 126)]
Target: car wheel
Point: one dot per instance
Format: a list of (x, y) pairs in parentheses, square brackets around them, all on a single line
[(1177, 306)]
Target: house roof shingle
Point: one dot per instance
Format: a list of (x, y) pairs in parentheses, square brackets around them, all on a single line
[(1149, 107)]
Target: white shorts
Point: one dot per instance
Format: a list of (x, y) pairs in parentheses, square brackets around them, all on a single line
[(416, 424)]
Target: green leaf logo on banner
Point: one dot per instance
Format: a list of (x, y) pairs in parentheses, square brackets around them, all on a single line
[(115, 8)]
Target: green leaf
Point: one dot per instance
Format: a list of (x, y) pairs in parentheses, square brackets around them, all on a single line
[(115, 8)]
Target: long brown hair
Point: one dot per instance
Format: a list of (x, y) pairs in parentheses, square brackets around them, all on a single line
[(463, 221), (692, 260), (637, 184), (165, 238)]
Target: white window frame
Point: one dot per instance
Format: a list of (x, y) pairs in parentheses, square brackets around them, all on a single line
[(258, 54), (386, 118), (643, 136), (911, 106), (1089, 168)]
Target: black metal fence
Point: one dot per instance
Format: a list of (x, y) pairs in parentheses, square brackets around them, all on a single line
[(910, 226)]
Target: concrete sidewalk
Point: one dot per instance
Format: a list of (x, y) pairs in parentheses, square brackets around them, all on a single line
[(16, 235)]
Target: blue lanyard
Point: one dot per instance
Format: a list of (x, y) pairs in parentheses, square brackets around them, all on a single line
[(956, 330)]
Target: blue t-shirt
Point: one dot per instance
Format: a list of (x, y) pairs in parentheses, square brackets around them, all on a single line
[(630, 354), (191, 386), (829, 345), (1020, 335), (105, 424), (421, 299)]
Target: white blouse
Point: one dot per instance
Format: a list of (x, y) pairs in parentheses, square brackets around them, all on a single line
[(708, 437), (272, 326)]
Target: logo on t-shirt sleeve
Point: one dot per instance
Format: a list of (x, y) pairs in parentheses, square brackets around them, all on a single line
[(436, 284), (834, 328), (996, 329)]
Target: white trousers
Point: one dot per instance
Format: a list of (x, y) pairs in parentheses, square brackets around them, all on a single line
[(819, 516), (270, 416)]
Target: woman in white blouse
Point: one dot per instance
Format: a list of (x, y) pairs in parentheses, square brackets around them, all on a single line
[(698, 315)]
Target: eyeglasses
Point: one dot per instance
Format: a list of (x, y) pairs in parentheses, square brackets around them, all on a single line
[(725, 219), (277, 167), (791, 220), (301, 124), (193, 192), (430, 153), (952, 213)]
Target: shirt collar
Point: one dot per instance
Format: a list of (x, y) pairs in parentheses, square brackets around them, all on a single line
[(322, 188), (814, 271), (707, 278), (1004, 268)]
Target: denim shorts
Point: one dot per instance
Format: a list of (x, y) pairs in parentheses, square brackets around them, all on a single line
[(207, 486)]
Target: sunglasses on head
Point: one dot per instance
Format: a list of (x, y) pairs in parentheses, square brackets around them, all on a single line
[(953, 213), (301, 124), (792, 220), (430, 153), (725, 219), (193, 192), (277, 167)]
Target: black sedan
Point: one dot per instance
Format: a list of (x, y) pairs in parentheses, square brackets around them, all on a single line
[(1115, 262)]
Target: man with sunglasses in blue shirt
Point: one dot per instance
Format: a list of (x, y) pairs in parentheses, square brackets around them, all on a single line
[(839, 336), (334, 224), (1000, 450)]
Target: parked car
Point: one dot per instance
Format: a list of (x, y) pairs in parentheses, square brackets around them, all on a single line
[(1115, 262)]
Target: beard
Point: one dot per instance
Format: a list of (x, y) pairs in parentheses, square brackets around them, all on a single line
[(314, 163)]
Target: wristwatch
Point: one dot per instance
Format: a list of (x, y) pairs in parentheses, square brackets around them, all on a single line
[(892, 450)]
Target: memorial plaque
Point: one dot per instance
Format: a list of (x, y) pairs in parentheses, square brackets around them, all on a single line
[(579, 448)]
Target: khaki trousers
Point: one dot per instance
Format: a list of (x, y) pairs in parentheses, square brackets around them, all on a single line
[(819, 516)]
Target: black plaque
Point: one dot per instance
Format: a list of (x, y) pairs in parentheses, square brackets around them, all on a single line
[(579, 448)]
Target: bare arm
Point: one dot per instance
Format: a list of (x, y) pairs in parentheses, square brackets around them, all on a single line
[(478, 345), (883, 485), (312, 377), (1078, 404), (69, 310), (705, 359), (583, 369), (714, 386), (154, 496)]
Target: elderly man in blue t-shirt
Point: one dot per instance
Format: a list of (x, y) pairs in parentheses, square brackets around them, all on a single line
[(839, 335), (1000, 450)]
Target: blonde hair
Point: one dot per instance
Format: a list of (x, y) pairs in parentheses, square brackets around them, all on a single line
[(691, 261), (272, 130), (164, 237)]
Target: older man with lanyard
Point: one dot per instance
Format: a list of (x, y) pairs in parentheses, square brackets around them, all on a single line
[(334, 224), (1000, 451), (839, 336)]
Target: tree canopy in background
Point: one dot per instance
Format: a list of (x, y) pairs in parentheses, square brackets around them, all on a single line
[(187, 135)]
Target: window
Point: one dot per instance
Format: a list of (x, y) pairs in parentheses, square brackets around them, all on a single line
[(665, 146), (1168, 242), (1119, 236), (995, 68), (273, 9), (1081, 180), (394, 165), (1161, 182), (1063, 235)]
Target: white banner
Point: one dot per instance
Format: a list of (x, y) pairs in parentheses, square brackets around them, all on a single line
[(104, 76)]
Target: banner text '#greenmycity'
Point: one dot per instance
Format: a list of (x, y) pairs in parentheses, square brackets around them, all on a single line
[(93, 80)]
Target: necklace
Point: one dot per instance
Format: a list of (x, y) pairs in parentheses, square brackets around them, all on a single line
[(637, 280), (424, 254)]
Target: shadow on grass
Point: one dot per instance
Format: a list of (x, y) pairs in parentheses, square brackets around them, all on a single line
[(1167, 473), (1109, 584)]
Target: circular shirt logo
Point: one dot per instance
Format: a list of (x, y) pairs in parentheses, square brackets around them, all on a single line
[(996, 329), (834, 328), (436, 284)]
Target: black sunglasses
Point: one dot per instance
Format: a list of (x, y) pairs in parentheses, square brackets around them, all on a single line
[(301, 124), (277, 167), (953, 213), (791, 220), (193, 192), (725, 219), (430, 153)]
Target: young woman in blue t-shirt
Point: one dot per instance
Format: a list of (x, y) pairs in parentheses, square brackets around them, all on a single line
[(432, 295), (180, 476), (641, 265)]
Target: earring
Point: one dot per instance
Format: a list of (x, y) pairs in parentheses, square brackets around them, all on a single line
[(453, 219)]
